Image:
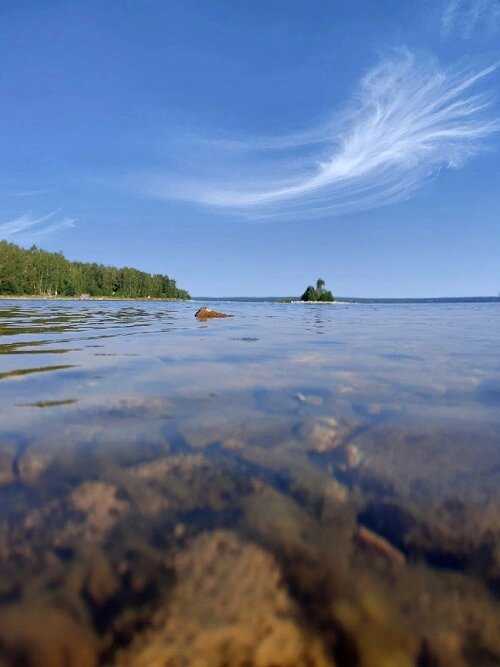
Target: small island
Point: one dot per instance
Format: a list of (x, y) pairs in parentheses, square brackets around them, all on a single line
[(317, 293)]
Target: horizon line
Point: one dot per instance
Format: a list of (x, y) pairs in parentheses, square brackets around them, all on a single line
[(353, 298)]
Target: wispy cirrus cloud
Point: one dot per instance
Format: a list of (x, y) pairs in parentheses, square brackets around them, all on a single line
[(63, 223), (30, 193), (409, 119), (27, 224), (468, 17)]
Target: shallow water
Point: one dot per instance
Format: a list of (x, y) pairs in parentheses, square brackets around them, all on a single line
[(329, 474)]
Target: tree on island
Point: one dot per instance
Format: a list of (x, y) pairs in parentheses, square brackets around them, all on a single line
[(318, 293)]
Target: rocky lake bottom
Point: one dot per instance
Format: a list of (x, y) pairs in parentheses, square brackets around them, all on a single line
[(296, 485)]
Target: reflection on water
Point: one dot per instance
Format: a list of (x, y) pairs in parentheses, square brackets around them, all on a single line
[(297, 485), (47, 404), (27, 371)]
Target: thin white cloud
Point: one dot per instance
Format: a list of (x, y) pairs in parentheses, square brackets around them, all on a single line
[(29, 193), (409, 119), (26, 224), (467, 18), (63, 223)]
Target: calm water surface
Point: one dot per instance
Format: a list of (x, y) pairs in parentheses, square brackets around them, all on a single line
[(345, 459)]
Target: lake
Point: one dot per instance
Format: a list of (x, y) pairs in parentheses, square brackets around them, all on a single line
[(300, 484)]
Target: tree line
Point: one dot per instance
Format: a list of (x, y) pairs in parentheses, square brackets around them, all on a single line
[(35, 272)]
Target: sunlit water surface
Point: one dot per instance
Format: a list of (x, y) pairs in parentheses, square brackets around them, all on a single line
[(349, 454)]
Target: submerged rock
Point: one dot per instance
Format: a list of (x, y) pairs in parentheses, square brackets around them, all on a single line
[(7, 464), (326, 434), (381, 636), (40, 635), (323, 436), (207, 313), (353, 456), (100, 507), (34, 462), (229, 607), (101, 583)]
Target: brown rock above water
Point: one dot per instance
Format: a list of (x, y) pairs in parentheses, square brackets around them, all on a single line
[(207, 313)]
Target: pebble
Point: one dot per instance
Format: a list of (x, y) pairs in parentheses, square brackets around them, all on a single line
[(310, 399), (353, 456)]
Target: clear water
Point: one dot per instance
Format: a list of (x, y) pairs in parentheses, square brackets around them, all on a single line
[(360, 442)]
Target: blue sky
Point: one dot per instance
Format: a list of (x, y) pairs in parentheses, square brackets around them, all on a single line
[(246, 148)]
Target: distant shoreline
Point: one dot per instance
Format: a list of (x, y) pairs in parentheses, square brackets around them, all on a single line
[(24, 297), (341, 299), (270, 299)]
